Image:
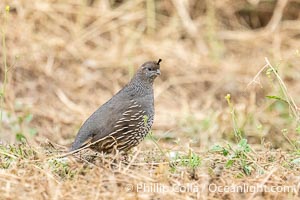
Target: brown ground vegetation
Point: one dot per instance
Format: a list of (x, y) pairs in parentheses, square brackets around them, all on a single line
[(66, 58)]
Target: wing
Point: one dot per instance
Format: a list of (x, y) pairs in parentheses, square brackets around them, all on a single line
[(102, 121), (127, 132), (123, 116)]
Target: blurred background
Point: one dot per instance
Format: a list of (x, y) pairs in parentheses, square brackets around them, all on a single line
[(63, 59)]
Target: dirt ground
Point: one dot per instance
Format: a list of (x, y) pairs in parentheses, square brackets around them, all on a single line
[(226, 123)]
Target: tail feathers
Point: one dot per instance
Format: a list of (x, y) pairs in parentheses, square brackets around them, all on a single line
[(77, 145)]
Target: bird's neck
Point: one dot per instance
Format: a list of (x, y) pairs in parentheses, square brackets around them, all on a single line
[(141, 87)]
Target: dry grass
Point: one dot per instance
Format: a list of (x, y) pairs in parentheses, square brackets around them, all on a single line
[(65, 58)]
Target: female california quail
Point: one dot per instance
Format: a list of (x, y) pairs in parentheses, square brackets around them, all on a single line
[(123, 121)]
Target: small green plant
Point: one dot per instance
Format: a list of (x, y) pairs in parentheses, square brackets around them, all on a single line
[(7, 157), (24, 124), (193, 160), (239, 155), (3, 89), (10, 154), (236, 129), (190, 160), (61, 168), (283, 100), (20, 125), (287, 98), (16, 123), (298, 129)]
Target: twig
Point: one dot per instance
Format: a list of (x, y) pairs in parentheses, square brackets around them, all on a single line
[(288, 97), (3, 90), (257, 75), (277, 15), (68, 103), (185, 17), (262, 32)]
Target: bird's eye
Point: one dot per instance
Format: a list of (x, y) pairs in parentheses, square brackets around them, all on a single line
[(149, 69)]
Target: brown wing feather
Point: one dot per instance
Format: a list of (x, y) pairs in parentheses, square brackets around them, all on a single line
[(128, 131)]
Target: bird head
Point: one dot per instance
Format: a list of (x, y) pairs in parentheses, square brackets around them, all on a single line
[(149, 71)]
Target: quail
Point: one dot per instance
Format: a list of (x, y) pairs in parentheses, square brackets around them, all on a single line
[(123, 121)]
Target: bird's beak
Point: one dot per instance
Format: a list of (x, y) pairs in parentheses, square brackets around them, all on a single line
[(158, 72)]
